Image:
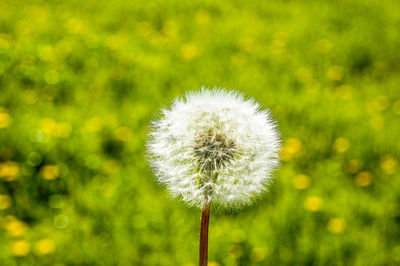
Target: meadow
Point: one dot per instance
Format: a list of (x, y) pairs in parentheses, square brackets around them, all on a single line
[(80, 82)]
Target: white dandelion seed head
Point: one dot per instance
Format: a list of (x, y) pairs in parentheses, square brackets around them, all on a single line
[(214, 146)]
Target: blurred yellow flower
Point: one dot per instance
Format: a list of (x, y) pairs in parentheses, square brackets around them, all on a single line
[(313, 203), (48, 125), (301, 181), (94, 124), (335, 73), (258, 254), (396, 108), (354, 166), (20, 248), (13, 226), (291, 148), (44, 246), (343, 92), (381, 103), (5, 201), (50, 172), (9, 171), (377, 122), (363, 179), (202, 17), (5, 119), (336, 225), (235, 251), (213, 263), (389, 164), (341, 145), (189, 51), (123, 133), (170, 28), (54, 129), (77, 26), (312, 88)]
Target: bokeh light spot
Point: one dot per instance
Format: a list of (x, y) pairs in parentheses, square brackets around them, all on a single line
[(258, 254), (235, 251), (396, 108), (336, 225), (5, 201), (20, 248), (50, 172), (94, 124), (61, 221), (123, 133), (389, 164), (202, 17), (313, 203), (363, 179), (341, 145), (377, 122), (335, 73), (34, 158), (189, 51), (301, 181), (5, 119), (354, 166), (44, 246), (292, 148), (9, 171), (14, 226), (343, 92)]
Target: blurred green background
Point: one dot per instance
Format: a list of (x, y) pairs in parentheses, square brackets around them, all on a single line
[(81, 80)]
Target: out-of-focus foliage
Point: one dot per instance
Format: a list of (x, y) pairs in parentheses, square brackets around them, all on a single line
[(80, 81)]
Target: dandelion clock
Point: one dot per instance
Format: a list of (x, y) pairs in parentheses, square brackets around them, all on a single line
[(214, 147)]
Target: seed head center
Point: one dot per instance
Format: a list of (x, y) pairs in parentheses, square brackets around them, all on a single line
[(213, 150)]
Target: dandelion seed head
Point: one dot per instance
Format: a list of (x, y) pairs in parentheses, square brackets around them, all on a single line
[(214, 146)]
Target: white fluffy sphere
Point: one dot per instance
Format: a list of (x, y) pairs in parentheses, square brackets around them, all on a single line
[(214, 146)]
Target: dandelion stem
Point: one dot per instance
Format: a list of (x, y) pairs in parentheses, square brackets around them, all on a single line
[(203, 251)]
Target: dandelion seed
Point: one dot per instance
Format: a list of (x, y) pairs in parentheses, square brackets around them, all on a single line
[(214, 146)]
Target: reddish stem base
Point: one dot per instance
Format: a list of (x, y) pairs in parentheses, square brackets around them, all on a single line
[(203, 251)]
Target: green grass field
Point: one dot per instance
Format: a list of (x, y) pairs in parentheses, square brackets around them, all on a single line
[(80, 82)]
